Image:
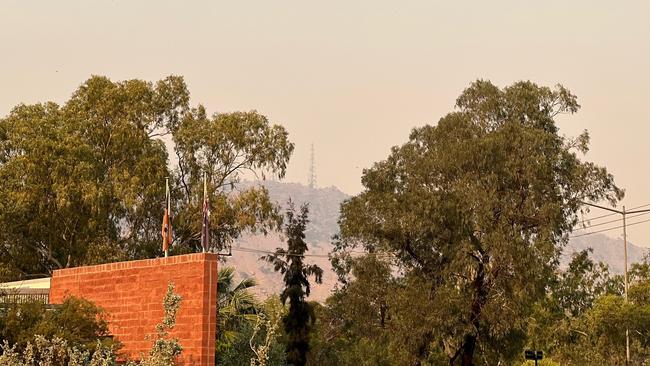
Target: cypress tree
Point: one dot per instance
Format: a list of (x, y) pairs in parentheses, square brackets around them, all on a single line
[(291, 263)]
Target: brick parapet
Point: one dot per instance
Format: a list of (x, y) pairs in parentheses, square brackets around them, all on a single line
[(131, 293)]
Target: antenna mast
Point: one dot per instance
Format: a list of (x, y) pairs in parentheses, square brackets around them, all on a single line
[(312, 169)]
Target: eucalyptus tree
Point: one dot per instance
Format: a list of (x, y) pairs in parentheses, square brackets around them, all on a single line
[(226, 147), (596, 335), (81, 182), (477, 208), (84, 182)]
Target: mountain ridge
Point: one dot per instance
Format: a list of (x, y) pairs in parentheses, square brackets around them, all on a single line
[(324, 208)]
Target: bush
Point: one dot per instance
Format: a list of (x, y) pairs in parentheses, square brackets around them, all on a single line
[(165, 350), (257, 340), (54, 352), (76, 334), (543, 362), (77, 321)]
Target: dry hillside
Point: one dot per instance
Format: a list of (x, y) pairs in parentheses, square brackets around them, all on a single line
[(324, 211)]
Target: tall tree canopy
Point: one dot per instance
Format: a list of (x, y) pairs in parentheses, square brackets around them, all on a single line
[(84, 182), (225, 147), (477, 208)]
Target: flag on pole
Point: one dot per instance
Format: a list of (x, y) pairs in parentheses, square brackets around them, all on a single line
[(167, 223), (205, 227)]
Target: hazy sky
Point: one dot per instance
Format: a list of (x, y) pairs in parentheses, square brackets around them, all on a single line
[(353, 77)]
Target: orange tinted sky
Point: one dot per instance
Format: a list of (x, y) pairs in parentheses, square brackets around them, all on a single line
[(351, 76)]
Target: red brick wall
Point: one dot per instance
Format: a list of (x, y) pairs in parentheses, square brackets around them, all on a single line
[(131, 293)]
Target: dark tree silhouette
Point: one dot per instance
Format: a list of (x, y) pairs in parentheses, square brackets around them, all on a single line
[(291, 263)]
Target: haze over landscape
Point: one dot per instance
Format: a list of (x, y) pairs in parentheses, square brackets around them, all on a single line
[(351, 77), (340, 183)]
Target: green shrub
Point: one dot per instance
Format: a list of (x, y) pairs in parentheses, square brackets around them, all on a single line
[(77, 321), (54, 352), (543, 362), (76, 334), (165, 349)]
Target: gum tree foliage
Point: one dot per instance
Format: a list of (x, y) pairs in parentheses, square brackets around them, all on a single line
[(358, 324), (596, 335), (290, 262), (371, 320), (554, 324), (80, 181), (226, 146), (475, 210), (84, 182), (584, 281)]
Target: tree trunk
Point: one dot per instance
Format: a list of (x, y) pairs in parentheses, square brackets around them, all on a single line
[(480, 296), (467, 356)]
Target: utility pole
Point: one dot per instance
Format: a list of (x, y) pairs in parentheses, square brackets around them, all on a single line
[(624, 214), (627, 331)]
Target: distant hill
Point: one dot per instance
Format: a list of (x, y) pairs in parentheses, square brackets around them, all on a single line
[(324, 205), (605, 249)]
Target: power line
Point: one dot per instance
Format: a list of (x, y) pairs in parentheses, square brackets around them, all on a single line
[(610, 221), (262, 251), (637, 207), (608, 229), (600, 217), (614, 213)]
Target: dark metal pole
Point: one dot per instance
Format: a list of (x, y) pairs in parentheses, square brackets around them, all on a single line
[(627, 331)]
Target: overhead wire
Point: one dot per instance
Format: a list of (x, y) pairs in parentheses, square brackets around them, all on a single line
[(637, 207), (611, 221), (262, 251), (600, 217), (268, 252), (608, 229), (614, 213)]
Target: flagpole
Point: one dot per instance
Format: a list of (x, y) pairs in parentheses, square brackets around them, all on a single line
[(168, 214), (205, 197)]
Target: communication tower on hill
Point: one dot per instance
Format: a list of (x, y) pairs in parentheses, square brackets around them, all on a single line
[(312, 169)]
